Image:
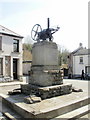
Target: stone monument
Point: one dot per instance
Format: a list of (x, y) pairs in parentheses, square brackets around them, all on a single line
[(45, 70), (39, 100), (46, 78)]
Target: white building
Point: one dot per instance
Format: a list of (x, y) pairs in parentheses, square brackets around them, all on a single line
[(78, 61), (89, 29), (10, 54), (89, 24)]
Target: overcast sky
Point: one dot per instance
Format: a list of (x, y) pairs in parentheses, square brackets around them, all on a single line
[(70, 15)]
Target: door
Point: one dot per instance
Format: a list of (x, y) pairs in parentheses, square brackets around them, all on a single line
[(15, 68)]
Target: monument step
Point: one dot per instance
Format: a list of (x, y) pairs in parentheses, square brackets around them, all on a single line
[(8, 113), (75, 114), (49, 108), (12, 115), (2, 117)]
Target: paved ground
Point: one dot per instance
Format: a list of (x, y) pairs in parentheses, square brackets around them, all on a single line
[(82, 84), (5, 87)]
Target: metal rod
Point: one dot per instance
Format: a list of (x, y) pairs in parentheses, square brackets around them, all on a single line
[(48, 23)]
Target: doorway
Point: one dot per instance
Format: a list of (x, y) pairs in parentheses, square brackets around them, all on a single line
[(15, 68)]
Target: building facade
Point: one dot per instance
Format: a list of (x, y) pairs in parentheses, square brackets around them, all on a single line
[(10, 55), (89, 24), (78, 61)]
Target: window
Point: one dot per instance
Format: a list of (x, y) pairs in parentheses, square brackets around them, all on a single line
[(1, 66), (0, 42), (16, 45), (81, 60)]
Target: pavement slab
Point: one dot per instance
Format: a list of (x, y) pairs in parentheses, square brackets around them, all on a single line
[(48, 105)]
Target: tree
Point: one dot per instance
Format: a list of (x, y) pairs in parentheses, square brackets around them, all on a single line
[(59, 57), (65, 54), (27, 46), (28, 40), (62, 55)]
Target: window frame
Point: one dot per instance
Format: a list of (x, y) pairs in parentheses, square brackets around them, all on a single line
[(15, 44), (0, 42), (80, 60)]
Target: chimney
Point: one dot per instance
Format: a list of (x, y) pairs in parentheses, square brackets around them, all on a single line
[(80, 45)]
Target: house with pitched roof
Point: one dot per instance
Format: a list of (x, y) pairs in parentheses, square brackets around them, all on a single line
[(10, 55), (78, 60)]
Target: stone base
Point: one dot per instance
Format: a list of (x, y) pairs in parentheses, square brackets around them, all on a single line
[(46, 109), (45, 70), (44, 77), (46, 92), (32, 99)]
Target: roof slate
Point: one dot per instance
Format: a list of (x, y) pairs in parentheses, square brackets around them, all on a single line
[(82, 52), (6, 31)]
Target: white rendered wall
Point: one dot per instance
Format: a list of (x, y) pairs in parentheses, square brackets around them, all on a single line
[(77, 67), (89, 24), (7, 50), (7, 45)]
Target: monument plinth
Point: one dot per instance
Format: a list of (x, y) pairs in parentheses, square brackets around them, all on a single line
[(46, 81), (46, 78), (45, 53), (45, 70)]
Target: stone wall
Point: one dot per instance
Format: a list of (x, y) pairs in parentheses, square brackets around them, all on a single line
[(46, 92), (46, 77)]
